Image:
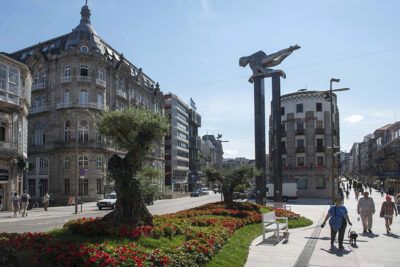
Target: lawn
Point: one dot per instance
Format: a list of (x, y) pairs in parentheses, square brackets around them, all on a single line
[(210, 235)]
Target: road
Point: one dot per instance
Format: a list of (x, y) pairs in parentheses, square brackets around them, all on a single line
[(41, 221)]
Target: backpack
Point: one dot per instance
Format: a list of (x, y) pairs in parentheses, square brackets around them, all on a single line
[(24, 198)]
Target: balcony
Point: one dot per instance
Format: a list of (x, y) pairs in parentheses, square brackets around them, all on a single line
[(92, 105), (101, 83), (319, 131), (38, 86), (9, 97), (284, 150), (320, 149), (299, 131), (34, 110), (300, 149), (82, 78), (122, 94), (8, 148), (283, 133), (66, 79)]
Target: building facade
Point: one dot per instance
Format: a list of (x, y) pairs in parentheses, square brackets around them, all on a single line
[(306, 136), (76, 77), (194, 147), (177, 144), (15, 100)]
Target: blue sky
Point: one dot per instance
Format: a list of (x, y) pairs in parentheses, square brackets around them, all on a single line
[(192, 47)]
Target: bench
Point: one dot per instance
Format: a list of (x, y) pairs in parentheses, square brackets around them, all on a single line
[(270, 224), (279, 205)]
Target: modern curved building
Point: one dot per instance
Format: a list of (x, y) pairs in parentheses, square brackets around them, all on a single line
[(76, 76), (306, 142)]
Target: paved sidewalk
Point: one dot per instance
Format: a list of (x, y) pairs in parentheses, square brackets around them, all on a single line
[(309, 246)]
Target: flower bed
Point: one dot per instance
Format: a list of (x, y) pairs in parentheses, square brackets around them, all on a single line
[(204, 230)]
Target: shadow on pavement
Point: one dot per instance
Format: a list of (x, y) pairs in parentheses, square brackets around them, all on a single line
[(271, 241), (337, 252), (328, 238), (372, 235), (393, 235)]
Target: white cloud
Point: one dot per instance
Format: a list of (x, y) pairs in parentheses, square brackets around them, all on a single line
[(354, 118), (207, 10)]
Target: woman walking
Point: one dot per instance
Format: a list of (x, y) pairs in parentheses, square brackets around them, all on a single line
[(15, 203), (387, 210), (338, 222)]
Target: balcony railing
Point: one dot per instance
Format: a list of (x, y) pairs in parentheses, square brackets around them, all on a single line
[(38, 86), (101, 83), (319, 131), (9, 97), (8, 147), (66, 79), (299, 131), (92, 105), (121, 94), (34, 110), (82, 78), (320, 149), (300, 149)]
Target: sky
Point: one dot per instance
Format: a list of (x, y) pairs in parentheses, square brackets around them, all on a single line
[(192, 48)]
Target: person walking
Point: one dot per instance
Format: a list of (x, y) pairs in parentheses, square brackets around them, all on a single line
[(370, 190), (347, 194), (46, 199), (1, 203), (15, 203), (357, 195), (338, 222), (366, 208), (397, 202), (387, 210), (25, 201), (382, 191)]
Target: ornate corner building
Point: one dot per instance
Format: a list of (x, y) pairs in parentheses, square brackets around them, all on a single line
[(15, 96), (306, 142), (77, 76)]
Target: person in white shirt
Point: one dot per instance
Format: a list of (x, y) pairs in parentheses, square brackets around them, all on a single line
[(46, 199), (366, 208)]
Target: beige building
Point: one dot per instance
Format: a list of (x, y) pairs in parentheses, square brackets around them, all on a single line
[(76, 76), (15, 86)]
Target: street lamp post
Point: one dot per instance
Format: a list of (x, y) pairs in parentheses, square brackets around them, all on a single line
[(332, 132), (77, 160)]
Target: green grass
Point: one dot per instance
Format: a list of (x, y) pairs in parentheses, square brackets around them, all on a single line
[(300, 222), (235, 251), (163, 242)]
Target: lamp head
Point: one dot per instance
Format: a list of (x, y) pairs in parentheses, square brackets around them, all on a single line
[(334, 80)]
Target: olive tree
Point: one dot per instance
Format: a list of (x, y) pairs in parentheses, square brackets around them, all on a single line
[(230, 178), (134, 130)]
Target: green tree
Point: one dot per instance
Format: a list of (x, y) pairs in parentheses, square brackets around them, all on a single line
[(149, 179), (230, 178), (134, 130)]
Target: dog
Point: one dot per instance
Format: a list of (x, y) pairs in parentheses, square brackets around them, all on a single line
[(353, 238), (286, 236)]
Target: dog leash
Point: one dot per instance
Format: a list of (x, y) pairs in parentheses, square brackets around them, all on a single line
[(348, 233)]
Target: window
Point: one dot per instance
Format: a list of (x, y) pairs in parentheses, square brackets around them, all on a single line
[(3, 77), (299, 142), (3, 128), (67, 71), (100, 75), (84, 70), (83, 162), (43, 186), (67, 131), (32, 187), (83, 131), (43, 165), (182, 144), (98, 137), (183, 154), (84, 49), (100, 101), (181, 116), (182, 135), (300, 126), (320, 142), (284, 164), (13, 80), (318, 107), (43, 80), (83, 187), (299, 108), (300, 162), (181, 126), (66, 186), (83, 97), (67, 97), (319, 125), (282, 111), (99, 186), (183, 163), (99, 163), (320, 161), (66, 163), (38, 136), (320, 182), (302, 182)]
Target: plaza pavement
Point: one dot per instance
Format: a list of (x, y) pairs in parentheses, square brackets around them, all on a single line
[(310, 246)]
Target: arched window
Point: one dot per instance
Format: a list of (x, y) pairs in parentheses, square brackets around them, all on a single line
[(66, 163), (43, 166), (38, 102), (38, 136), (67, 97), (99, 163), (100, 100), (67, 71), (83, 131), (83, 162), (67, 131), (83, 97)]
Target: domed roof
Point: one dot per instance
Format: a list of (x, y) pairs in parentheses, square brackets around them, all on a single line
[(84, 32)]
